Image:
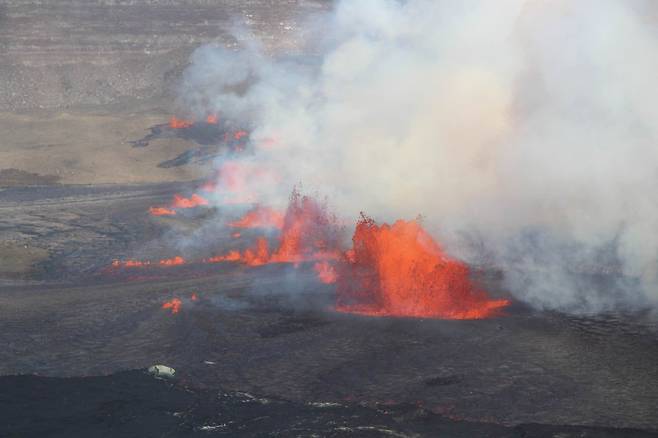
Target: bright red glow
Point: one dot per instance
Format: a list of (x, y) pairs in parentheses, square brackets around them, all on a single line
[(325, 272), (178, 260), (129, 263), (258, 255), (176, 123), (179, 202), (259, 217), (231, 256), (191, 202), (174, 305), (308, 234), (400, 270), (161, 211)]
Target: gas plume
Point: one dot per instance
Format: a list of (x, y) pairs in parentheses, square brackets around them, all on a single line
[(524, 132)]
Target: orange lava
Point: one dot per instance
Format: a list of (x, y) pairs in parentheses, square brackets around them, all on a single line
[(325, 272), (174, 261), (212, 119), (231, 256), (400, 270), (129, 263), (308, 234), (258, 255), (174, 304), (239, 134), (191, 202), (176, 123), (179, 202), (178, 260), (161, 211), (259, 217)]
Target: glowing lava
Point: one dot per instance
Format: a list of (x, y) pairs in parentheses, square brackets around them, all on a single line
[(129, 263), (191, 202), (174, 304), (231, 256), (178, 260), (325, 272), (174, 261), (176, 123), (400, 270), (179, 202), (259, 217), (161, 211), (308, 233)]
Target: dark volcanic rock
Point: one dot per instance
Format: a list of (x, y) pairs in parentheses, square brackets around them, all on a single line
[(19, 178), (135, 404)]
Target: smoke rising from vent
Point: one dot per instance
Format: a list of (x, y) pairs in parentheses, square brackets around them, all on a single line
[(524, 132)]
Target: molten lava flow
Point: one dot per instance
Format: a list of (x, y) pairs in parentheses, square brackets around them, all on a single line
[(237, 135), (179, 202), (259, 217), (308, 234), (194, 201), (258, 255), (175, 123), (325, 272), (129, 263), (212, 119), (178, 260), (175, 261), (400, 270), (161, 211), (231, 256), (174, 304)]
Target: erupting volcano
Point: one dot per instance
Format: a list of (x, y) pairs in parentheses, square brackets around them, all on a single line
[(400, 270), (391, 270), (308, 233)]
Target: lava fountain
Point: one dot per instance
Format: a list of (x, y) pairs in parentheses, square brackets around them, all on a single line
[(400, 270)]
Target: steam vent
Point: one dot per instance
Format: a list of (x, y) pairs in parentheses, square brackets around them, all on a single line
[(329, 218)]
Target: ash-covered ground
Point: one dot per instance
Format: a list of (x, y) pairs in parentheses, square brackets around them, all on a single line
[(84, 83), (271, 331)]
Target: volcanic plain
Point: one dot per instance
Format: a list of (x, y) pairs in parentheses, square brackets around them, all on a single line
[(86, 95)]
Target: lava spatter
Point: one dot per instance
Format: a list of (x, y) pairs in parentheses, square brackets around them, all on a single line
[(399, 270)]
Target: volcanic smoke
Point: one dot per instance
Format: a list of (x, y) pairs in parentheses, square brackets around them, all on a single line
[(485, 117), (396, 270)]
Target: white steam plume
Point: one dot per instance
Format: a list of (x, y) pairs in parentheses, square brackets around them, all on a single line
[(528, 127)]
